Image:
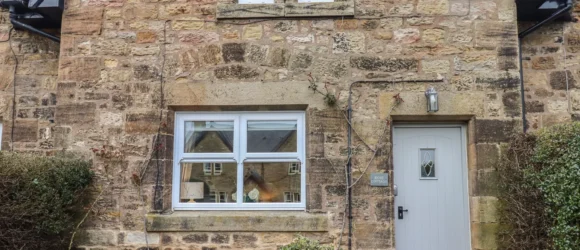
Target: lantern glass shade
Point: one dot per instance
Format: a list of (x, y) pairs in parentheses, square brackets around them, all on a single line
[(432, 100)]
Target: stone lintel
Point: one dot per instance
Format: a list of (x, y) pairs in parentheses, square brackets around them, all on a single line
[(225, 11), (238, 221), (320, 9), (317, 9)]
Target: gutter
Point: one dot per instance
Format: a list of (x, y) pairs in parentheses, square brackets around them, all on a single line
[(349, 147), (521, 37)]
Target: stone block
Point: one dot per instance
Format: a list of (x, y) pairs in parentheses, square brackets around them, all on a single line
[(433, 7), (353, 42), (314, 197), (436, 66), (511, 103), (562, 80), (198, 37), (372, 236), (252, 32), (236, 72), (220, 238), (25, 131), (484, 235), (96, 238), (76, 114), (80, 69), (301, 60), (279, 57), (407, 35), (491, 34), (535, 106), (373, 63), (146, 37), (383, 209), (486, 183), (496, 130), (245, 240), (138, 238), (82, 21), (487, 156), (195, 238), (233, 52), (543, 62), (338, 8), (484, 209), (62, 136), (142, 122), (257, 54), (249, 10), (498, 80), (187, 24)]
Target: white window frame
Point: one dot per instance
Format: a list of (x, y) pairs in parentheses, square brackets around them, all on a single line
[(239, 156), (0, 136)]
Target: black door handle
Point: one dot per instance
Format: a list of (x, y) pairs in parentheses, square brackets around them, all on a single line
[(400, 211)]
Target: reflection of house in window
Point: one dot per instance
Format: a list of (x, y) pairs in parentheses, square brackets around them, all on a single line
[(291, 197), (293, 168), (217, 169)]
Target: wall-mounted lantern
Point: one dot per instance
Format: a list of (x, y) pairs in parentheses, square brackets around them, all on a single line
[(432, 100)]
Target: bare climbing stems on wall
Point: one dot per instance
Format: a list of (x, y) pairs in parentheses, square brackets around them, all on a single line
[(329, 98)]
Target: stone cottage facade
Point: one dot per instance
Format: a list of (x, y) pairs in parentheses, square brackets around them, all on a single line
[(126, 70)]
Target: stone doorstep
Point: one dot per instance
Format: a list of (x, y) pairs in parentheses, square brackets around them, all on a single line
[(238, 221)]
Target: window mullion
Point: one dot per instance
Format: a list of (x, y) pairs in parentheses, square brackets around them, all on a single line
[(240, 155)]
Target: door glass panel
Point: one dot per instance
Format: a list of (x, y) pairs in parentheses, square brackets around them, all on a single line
[(272, 136), (208, 182), (427, 163), (272, 182), (209, 136)]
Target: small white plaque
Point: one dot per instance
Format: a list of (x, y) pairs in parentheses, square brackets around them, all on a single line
[(191, 190)]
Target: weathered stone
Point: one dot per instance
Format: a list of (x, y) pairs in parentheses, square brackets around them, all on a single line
[(286, 26), (198, 37), (146, 37), (372, 236), (233, 52), (236, 72), (346, 24), (495, 130), (48, 99), (252, 32), (279, 57), (339, 8), (257, 54), (25, 131), (335, 190), (196, 238), (314, 196), (534, 106), (250, 10), (76, 113), (484, 209), (96, 238), (487, 156), (44, 113), (498, 80), (245, 240), (348, 43), (142, 123), (96, 96), (211, 54), (490, 34), (138, 238), (220, 238), (301, 61), (122, 101), (436, 66), (511, 103), (372, 63), (433, 6), (562, 80), (543, 62), (242, 221), (300, 38), (573, 42), (433, 36), (409, 35), (80, 69), (145, 72), (28, 101), (187, 24), (82, 21)]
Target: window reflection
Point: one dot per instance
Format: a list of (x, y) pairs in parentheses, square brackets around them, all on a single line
[(271, 182), (272, 136), (209, 136), (208, 182)]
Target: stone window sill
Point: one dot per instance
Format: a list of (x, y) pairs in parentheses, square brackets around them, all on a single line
[(242, 221), (316, 9)]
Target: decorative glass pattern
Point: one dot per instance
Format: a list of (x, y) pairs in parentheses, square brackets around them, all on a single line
[(427, 163)]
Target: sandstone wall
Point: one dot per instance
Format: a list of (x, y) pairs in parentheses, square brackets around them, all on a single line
[(125, 66), (551, 71), (36, 80)]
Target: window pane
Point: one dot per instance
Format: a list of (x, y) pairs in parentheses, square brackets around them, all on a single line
[(209, 137), (428, 163), (271, 182), (208, 182), (272, 136)]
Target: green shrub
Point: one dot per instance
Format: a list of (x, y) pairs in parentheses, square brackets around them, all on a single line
[(555, 171), (303, 243), (40, 198)]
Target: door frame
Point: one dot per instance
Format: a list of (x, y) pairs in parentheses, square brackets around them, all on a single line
[(464, 161)]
